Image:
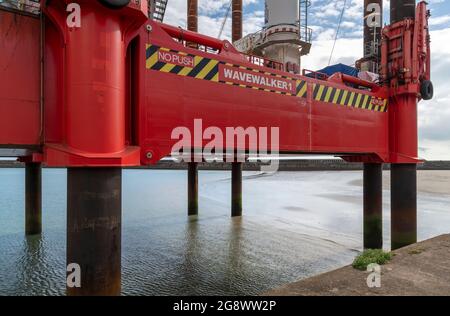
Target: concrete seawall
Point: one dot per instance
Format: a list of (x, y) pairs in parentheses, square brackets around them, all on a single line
[(291, 165), (420, 269)]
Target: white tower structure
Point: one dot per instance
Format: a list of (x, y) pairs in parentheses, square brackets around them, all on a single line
[(285, 36)]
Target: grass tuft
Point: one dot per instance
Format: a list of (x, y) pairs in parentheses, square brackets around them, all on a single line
[(370, 256)]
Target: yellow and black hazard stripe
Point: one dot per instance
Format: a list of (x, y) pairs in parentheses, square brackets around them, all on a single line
[(348, 98), (204, 68), (208, 69), (302, 89)]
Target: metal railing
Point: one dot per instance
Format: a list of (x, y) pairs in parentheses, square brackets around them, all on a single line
[(264, 62), (314, 74), (305, 33)]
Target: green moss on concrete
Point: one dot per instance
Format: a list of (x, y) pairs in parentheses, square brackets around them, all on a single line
[(416, 251), (370, 256)]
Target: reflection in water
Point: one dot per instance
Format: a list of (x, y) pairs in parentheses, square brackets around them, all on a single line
[(34, 271), (190, 271), (295, 225), (32, 261), (235, 261)]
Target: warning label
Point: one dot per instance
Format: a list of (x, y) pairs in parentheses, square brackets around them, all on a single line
[(255, 79), (176, 59)]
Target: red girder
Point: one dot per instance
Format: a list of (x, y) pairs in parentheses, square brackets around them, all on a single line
[(111, 98)]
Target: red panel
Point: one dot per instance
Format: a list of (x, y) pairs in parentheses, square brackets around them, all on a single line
[(306, 126), (19, 79)]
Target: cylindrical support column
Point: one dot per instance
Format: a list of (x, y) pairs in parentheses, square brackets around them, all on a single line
[(94, 216), (236, 189), (402, 9), (192, 188), (236, 20), (403, 205), (403, 120), (95, 94), (33, 198), (373, 206)]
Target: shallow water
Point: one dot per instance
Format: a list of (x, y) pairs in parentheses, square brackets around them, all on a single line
[(295, 225)]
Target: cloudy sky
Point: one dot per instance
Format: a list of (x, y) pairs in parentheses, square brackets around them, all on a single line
[(434, 115)]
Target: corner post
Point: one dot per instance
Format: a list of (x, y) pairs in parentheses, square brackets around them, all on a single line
[(192, 188), (373, 206), (236, 189), (403, 205), (94, 218)]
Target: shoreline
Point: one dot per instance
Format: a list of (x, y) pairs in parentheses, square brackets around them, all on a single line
[(419, 269)]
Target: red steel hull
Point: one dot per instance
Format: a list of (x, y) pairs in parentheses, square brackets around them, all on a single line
[(108, 104)]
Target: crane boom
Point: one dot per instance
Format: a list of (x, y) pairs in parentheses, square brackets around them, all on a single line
[(225, 19)]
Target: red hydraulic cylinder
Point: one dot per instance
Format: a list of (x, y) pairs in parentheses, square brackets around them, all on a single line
[(192, 36)]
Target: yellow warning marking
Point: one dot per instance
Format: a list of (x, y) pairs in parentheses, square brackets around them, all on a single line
[(303, 90), (336, 96), (358, 100), (328, 95), (206, 70), (344, 96), (216, 77), (320, 92), (365, 101), (152, 60), (167, 67), (352, 97)]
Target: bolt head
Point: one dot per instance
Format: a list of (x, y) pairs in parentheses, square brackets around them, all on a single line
[(149, 155), (149, 28)]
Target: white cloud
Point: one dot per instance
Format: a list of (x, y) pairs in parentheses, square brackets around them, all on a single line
[(434, 115), (211, 16), (439, 20)]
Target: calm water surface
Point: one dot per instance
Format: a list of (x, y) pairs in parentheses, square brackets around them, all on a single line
[(296, 224)]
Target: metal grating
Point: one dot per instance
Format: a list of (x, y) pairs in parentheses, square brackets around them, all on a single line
[(26, 6), (158, 9)]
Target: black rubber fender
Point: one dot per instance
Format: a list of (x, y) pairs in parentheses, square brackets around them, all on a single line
[(115, 4), (427, 90)]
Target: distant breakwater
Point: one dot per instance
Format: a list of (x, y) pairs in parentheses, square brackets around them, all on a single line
[(285, 165)]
